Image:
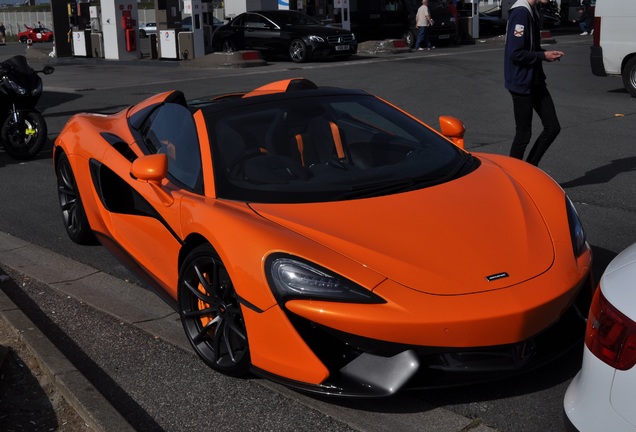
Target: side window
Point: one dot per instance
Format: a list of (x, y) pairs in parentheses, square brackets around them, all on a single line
[(255, 21), (173, 132), (239, 21)]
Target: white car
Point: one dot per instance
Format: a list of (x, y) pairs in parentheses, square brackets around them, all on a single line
[(602, 396), (147, 29)]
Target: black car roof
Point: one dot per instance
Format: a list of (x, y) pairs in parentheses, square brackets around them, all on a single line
[(229, 101)]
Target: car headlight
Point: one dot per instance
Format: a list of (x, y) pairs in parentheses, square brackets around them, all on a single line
[(353, 36), (315, 38), (15, 86), (577, 233), (290, 277)]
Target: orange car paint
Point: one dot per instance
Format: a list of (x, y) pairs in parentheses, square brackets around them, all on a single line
[(454, 309)]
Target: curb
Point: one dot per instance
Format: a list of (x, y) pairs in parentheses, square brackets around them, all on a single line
[(387, 46), (236, 59), (89, 404), (147, 312)]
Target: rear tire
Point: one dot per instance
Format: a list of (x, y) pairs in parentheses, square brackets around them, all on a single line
[(228, 46), (629, 76), (409, 39), (26, 139), (73, 214)]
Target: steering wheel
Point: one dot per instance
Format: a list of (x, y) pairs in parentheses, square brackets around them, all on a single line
[(236, 166)]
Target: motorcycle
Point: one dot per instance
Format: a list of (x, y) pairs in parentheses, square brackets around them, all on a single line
[(24, 130)]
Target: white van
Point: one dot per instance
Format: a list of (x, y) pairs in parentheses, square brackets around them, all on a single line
[(614, 47)]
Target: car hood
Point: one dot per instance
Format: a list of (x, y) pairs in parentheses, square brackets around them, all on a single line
[(478, 233)]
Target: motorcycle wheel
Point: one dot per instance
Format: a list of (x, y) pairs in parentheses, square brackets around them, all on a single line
[(25, 140)]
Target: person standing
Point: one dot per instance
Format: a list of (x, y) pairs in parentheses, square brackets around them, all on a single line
[(3, 34), (423, 21), (526, 81)]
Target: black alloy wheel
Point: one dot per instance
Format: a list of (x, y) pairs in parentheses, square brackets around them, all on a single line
[(25, 138), (73, 214), (228, 46), (211, 314), (298, 51), (409, 38)]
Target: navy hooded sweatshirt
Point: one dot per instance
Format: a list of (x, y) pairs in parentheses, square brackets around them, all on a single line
[(523, 61)]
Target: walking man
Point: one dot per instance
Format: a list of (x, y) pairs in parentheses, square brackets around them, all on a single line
[(423, 21), (525, 80)]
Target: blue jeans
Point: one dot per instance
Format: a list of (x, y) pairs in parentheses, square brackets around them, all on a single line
[(584, 26), (422, 36)]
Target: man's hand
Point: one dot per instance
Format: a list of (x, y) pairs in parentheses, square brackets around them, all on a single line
[(553, 55)]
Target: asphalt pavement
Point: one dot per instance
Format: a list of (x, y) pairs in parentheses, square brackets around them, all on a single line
[(68, 290)]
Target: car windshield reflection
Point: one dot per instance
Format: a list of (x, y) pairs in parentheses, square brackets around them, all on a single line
[(324, 149)]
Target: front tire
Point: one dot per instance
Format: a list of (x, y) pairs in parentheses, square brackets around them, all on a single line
[(25, 139), (228, 46), (142, 34), (73, 214), (298, 51), (629, 76), (211, 314)]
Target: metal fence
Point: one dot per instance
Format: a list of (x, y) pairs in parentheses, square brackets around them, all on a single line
[(15, 22)]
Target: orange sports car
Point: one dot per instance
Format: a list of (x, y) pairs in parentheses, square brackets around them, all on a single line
[(326, 239)]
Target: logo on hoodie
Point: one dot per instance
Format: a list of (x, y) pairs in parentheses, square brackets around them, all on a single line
[(519, 30)]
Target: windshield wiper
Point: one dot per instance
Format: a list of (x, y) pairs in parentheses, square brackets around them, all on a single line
[(371, 189), (386, 187)]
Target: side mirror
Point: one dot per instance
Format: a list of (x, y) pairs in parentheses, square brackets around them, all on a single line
[(48, 70), (153, 169), (453, 129)]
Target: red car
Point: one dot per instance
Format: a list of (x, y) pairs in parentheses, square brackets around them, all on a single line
[(36, 34)]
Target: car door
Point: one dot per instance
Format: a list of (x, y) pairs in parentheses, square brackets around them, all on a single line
[(234, 33), (147, 222), (259, 32)]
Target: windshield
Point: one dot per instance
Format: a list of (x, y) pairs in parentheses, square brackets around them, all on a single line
[(432, 4), (291, 18), (326, 149)]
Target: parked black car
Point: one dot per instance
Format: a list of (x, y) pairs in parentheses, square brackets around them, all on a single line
[(444, 29), (395, 19), (550, 14), (284, 32), (491, 23)]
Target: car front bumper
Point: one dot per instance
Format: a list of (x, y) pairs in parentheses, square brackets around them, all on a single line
[(324, 49), (326, 360)]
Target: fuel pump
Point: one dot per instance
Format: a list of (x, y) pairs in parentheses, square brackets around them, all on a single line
[(343, 7), (119, 27), (129, 25), (79, 28), (191, 39), (468, 12)]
